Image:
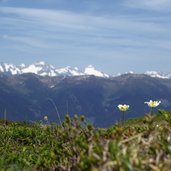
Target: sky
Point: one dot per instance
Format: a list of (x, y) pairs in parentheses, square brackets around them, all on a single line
[(112, 35)]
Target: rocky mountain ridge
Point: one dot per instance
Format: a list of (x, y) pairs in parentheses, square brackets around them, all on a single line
[(43, 69)]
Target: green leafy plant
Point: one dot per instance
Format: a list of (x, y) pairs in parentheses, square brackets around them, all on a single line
[(137, 144)]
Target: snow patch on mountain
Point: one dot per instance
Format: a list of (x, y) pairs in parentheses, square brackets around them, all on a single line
[(68, 71), (9, 68), (90, 70), (40, 68), (31, 69), (155, 74), (43, 69)]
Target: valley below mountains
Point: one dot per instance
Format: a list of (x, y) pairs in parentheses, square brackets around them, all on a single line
[(29, 97)]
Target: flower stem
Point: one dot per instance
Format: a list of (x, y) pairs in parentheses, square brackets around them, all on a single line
[(123, 117), (151, 110)]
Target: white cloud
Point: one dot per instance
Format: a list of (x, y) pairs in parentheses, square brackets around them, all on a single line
[(33, 42), (81, 22), (68, 31), (53, 17)]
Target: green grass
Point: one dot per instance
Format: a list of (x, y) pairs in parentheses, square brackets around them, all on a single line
[(137, 144)]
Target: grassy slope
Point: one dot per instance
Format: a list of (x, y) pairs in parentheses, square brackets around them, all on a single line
[(138, 144)]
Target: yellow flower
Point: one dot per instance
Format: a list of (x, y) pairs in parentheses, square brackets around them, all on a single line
[(45, 118), (123, 108), (153, 104)]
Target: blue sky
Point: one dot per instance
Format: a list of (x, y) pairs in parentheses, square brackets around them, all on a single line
[(115, 36)]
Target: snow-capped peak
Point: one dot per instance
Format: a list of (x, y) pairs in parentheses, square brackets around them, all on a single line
[(129, 72), (40, 68), (156, 74), (91, 70), (43, 69), (22, 65), (40, 63), (68, 71), (9, 68)]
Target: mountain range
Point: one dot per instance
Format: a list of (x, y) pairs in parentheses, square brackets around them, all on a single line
[(29, 96), (43, 69)]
